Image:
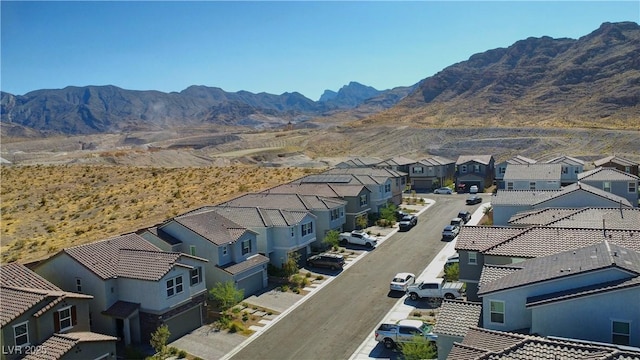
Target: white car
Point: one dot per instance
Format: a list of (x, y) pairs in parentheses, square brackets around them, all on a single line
[(401, 281), (443, 190), (473, 189)]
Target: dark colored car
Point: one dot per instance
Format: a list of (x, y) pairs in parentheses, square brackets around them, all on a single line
[(326, 260), (474, 199), (407, 222), (465, 216)]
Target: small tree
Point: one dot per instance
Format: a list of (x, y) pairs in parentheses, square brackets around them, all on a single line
[(452, 272), (388, 213), (332, 239), (226, 295), (418, 348), (362, 222), (290, 267), (159, 341)]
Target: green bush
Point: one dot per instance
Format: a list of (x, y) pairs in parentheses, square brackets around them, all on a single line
[(182, 354)]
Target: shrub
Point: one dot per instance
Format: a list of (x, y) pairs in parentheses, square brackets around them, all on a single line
[(182, 354)]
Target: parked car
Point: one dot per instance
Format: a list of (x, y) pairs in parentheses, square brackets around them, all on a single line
[(358, 237), (450, 232), (474, 199), (326, 260), (436, 288), (407, 222), (401, 281), (443, 190), (456, 221), (403, 331), (473, 189), (465, 216), (453, 259)]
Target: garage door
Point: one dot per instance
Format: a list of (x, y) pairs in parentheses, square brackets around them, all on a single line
[(251, 284), (422, 185), (184, 323)]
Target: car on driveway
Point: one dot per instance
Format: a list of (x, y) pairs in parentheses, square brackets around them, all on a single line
[(474, 199), (465, 216), (401, 281), (326, 260), (443, 190), (451, 260), (473, 189), (407, 222), (450, 232)]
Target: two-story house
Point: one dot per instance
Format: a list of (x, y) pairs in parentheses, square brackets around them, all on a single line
[(552, 295), (475, 170), (507, 203), (393, 180), (617, 162), (136, 287), (481, 245), (532, 177), (329, 212), (618, 218), (614, 181), (430, 173), (571, 167), (397, 163), (358, 161), (230, 248), (40, 319), (501, 168), (355, 208), (455, 318)]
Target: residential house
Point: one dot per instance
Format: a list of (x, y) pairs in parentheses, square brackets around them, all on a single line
[(501, 168), (278, 232), (329, 212), (617, 162), (481, 344), (395, 181), (619, 218), (614, 181), (379, 187), (455, 317), (431, 173), (36, 313), (358, 162), (549, 295), (136, 287), (230, 248), (397, 163), (571, 167), (507, 203), (476, 170), (355, 208), (532, 177), (485, 245)]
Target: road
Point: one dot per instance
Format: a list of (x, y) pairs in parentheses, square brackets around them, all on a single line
[(337, 319)]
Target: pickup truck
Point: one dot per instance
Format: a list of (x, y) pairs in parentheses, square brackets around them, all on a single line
[(403, 331), (358, 237), (437, 288)]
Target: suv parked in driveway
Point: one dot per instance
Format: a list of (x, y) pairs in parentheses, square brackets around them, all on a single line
[(407, 222), (327, 260)]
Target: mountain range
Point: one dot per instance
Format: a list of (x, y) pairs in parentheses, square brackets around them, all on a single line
[(593, 81)]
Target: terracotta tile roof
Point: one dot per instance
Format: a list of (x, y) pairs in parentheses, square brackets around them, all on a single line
[(436, 161), (56, 346), (595, 218), (491, 340), (464, 352), (121, 309), (480, 238), (251, 262), (16, 274), (491, 273), (455, 317), (562, 265), (541, 216), (482, 159), (255, 217), (614, 159), (144, 264), (533, 172), (584, 291), (606, 174), (522, 197), (212, 226), (269, 200)]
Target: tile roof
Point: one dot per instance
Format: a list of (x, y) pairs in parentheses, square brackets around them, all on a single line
[(533, 172), (212, 225), (480, 344), (584, 291), (519, 159), (539, 197), (614, 159), (621, 218), (249, 263), (56, 346), (480, 238), (270, 200), (320, 189), (482, 159), (436, 161), (455, 317), (255, 217), (121, 309), (128, 256), (360, 161), (18, 275), (606, 174), (562, 265), (396, 161), (371, 171), (565, 160)]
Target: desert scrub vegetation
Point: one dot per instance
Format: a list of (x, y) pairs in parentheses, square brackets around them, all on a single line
[(46, 208)]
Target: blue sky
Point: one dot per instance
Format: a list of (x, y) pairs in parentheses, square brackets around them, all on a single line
[(272, 47)]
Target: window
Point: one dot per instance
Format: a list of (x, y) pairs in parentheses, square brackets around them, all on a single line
[(307, 228), (196, 275), (502, 170), (473, 258), (497, 311), (21, 334), (363, 200), (192, 250), (174, 286), (418, 170), (246, 247), (576, 171), (509, 186), (387, 188), (620, 332), (463, 168), (293, 232), (79, 285), (224, 250), (532, 185), (430, 169), (65, 318), (606, 186), (632, 187), (476, 168), (627, 169), (335, 214), (565, 170)]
